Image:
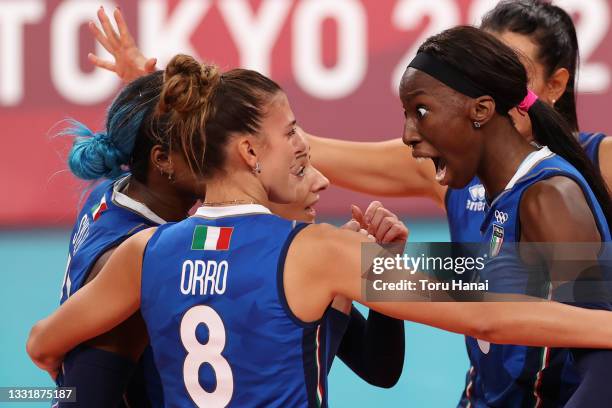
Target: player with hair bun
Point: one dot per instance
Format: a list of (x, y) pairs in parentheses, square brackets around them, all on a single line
[(164, 178), (162, 185)]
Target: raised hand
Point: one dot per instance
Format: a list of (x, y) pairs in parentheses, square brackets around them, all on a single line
[(129, 62)]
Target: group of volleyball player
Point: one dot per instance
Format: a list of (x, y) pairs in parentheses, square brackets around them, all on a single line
[(247, 301)]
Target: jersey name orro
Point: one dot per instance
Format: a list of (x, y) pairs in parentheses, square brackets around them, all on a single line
[(200, 277)]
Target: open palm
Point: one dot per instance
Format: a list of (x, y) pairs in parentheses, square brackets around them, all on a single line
[(129, 62)]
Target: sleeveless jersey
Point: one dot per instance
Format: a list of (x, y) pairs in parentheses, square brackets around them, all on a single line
[(107, 218), (510, 375), (465, 207), (221, 330)]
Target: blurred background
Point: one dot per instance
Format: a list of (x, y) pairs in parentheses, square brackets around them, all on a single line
[(338, 60)]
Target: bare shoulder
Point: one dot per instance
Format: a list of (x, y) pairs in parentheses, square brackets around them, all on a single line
[(556, 209)]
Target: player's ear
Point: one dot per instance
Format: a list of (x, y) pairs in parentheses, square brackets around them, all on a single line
[(160, 160), (481, 109), (556, 85), (247, 150)]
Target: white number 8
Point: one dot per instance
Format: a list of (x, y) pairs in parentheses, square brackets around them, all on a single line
[(198, 354)]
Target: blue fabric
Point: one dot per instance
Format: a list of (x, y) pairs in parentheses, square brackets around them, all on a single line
[(263, 355), (507, 375), (465, 211), (89, 240)]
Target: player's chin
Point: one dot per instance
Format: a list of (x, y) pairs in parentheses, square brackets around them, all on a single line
[(309, 214), (458, 180)]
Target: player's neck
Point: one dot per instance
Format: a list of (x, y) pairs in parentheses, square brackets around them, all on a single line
[(237, 188), (166, 204), (504, 151)]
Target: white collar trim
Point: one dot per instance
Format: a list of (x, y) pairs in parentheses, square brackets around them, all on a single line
[(531, 160), (136, 206), (226, 211)]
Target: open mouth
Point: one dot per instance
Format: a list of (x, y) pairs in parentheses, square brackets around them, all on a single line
[(311, 211), (440, 164), (310, 207)]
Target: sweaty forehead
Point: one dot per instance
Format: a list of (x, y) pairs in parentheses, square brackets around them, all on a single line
[(415, 82)]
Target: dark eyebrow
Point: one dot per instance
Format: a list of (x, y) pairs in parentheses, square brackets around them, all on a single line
[(413, 94)]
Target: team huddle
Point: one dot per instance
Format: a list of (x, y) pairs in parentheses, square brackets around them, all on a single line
[(247, 301)]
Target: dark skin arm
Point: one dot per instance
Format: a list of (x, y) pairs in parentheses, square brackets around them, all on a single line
[(542, 208), (551, 200), (556, 211)]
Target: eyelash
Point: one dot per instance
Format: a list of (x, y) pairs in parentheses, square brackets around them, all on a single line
[(292, 132), (302, 172)]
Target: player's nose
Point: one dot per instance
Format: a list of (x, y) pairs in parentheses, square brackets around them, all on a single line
[(410, 136)]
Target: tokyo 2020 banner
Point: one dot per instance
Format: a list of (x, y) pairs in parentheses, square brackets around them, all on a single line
[(338, 60)]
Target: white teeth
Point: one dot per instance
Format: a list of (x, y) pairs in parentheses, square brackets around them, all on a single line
[(420, 159), (441, 173)]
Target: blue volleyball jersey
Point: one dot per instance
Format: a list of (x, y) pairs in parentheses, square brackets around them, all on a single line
[(107, 218), (220, 327), (590, 143), (103, 223), (465, 207), (510, 375)]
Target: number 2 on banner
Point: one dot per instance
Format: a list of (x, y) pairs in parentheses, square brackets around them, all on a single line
[(409, 14), (198, 354)]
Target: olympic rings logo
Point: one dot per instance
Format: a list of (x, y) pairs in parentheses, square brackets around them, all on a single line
[(501, 217)]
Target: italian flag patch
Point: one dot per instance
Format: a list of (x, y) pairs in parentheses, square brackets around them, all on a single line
[(211, 238), (99, 209)]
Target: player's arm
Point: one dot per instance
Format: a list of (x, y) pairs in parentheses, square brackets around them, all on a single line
[(551, 200), (374, 348), (378, 168), (99, 306), (542, 206), (531, 323), (605, 160)]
